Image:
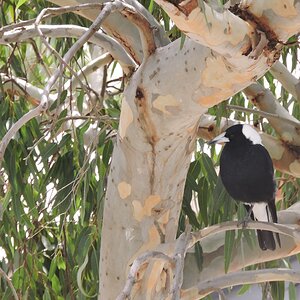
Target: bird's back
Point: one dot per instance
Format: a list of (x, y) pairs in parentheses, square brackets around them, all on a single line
[(247, 173)]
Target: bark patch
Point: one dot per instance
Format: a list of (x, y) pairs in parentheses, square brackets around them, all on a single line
[(145, 116), (163, 102), (261, 24), (141, 211), (126, 118), (124, 189)]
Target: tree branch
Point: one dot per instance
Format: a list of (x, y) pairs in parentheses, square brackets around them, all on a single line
[(205, 288), (243, 254), (109, 44), (287, 126), (108, 8), (90, 68), (145, 30), (220, 31), (15, 128), (17, 86), (123, 29), (268, 115), (197, 236), (136, 266), (52, 50), (7, 279), (182, 245), (282, 17), (288, 81), (51, 12)]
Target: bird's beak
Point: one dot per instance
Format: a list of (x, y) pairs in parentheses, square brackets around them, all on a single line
[(219, 139)]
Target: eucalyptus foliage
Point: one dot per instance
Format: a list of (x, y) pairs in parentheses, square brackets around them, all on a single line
[(53, 183)]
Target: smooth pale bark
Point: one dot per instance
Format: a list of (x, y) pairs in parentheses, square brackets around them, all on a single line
[(265, 101), (243, 255), (239, 278), (288, 81), (120, 27), (158, 126), (159, 120), (225, 32)]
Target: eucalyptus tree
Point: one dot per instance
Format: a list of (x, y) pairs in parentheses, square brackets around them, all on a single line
[(87, 157)]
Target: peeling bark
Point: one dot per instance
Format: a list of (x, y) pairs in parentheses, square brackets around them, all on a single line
[(158, 126), (121, 28), (160, 117)]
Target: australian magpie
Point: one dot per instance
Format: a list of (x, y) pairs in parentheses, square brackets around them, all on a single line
[(247, 173)]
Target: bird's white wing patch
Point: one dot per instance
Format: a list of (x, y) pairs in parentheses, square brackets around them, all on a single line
[(260, 212), (251, 134)]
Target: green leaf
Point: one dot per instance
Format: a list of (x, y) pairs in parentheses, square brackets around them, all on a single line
[(80, 99), (61, 264), (20, 3), (151, 5), (199, 256), (50, 149), (208, 168), (79, 278), (182, 40), (203, 198), (52, 269), (292, 292), (244, 289), (18, 278), (46, 295), (107, 152), (56, 284), (228, 247), (278, 290)]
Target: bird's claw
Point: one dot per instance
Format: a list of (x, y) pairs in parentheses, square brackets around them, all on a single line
[(243, 223)]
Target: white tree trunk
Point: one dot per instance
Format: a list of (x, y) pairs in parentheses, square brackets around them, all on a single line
[(160, 114)]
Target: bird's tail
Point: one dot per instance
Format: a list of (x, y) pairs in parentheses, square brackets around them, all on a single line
[(266, 212)]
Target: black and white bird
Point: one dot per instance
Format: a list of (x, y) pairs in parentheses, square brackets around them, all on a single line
[(247, 173)]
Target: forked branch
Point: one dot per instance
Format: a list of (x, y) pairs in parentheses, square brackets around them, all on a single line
[(187, 240)]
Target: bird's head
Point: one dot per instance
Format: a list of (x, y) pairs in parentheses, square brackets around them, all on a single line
[(240, 133)]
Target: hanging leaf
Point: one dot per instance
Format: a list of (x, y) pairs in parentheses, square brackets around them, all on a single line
[(228, 248)]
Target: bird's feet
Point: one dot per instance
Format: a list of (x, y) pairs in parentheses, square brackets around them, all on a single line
[(247, 218)]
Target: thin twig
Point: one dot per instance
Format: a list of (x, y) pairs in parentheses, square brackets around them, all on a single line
[(47, 45), (7, 279), (43, 106), (52, 12), (263, 114), (90, 68), (15, 128)]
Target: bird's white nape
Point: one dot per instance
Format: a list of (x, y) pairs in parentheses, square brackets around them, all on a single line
[(251, 134)]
